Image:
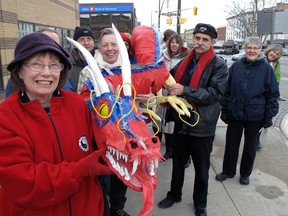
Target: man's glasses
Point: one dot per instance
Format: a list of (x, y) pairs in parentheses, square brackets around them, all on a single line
[(38, 67), (82, 40)]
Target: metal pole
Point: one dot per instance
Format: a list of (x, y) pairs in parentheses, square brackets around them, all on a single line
[(273, 26), (178, 16)]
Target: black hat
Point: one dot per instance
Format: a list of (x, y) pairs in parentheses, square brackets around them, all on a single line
[(81, 31), (205, 29), (34, 43)]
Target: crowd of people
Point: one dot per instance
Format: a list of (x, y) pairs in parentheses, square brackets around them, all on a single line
[(50, 153)]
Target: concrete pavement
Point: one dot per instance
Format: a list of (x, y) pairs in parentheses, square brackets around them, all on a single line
[(266, 195)]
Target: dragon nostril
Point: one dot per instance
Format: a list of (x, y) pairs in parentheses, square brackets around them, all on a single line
[(154, 140), (133, 144)]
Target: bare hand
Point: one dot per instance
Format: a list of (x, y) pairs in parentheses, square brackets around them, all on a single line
[(176, 89)]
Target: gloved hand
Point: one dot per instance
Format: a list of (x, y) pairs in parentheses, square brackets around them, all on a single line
[(90, 165), (224, 118), (267, 123)]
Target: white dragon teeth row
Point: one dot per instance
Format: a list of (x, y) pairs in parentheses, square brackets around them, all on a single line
[(123, 171), (119, 155)]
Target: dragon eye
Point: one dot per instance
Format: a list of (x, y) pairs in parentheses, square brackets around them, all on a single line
[(133, 144), (104, 110)]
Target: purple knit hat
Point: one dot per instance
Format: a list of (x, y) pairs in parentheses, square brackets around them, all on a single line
[(34, 43)]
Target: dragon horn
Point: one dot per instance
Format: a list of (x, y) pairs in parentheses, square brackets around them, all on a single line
[(125, 62), (96, 75)]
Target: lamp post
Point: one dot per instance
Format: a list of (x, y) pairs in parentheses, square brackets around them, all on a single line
[(178, 16), (159, 13)]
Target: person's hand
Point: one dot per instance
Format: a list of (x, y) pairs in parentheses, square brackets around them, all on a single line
[(176, 89), (267, 123), (224, 118), (90, 165)]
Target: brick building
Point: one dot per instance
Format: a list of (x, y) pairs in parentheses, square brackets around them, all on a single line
[(18, 18)]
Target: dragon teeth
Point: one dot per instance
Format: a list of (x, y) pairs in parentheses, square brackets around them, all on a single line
[(135, 165), (127, 176)]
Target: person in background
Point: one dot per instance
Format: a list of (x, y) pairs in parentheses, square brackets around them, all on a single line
[(161, 110), (127, 40), (273, 54), (45, 148), (201, 79), (85, 37), (249, 104), (10, 87), (174, 53)]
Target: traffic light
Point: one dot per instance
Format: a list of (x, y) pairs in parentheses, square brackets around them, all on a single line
[(169, 21), (168, 3), (195, 10), (182, 20)]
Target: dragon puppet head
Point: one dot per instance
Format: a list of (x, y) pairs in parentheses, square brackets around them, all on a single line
[(132, 153)]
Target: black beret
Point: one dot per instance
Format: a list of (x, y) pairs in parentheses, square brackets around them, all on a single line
[(205, 29)]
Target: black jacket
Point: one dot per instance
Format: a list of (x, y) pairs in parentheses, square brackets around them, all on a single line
[(252, 92), (206, 98)]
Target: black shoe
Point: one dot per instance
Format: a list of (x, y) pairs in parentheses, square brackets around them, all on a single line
[(119, 212), (167, 155), (188, 163), (200, 211), (222, 177), (167, 203), (244, 180)]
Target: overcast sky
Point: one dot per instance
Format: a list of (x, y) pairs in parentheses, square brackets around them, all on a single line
[(209, 11)]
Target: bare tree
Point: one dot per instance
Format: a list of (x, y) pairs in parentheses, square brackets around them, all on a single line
[(243, 15)]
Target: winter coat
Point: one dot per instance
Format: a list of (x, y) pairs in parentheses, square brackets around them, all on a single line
[(38, 155), (206, 98), (252, 91)]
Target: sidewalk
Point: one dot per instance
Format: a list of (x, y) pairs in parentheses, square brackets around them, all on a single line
[(266, 195)]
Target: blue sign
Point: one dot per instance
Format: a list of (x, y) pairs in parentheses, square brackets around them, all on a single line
[(105, 8)]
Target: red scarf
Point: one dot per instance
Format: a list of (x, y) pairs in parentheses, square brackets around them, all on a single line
[(199, 69)]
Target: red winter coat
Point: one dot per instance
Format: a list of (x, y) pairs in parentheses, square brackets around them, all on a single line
[(38, 175)]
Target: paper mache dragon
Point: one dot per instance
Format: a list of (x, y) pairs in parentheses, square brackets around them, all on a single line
[(119, 124)]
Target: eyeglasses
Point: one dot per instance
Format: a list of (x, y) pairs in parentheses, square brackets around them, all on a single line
[(197, 38), (38, 67), (252, 48), (82, 40)]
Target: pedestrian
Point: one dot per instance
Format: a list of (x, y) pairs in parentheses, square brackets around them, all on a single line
[(174, 53), (249, 104), (107, 57), (201, 79), (273, 53), (85, 37), (10, 87), (47, 163)]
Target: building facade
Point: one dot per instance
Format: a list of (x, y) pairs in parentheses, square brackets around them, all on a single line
[(18, 18)]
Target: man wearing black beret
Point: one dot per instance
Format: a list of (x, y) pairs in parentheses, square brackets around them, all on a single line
[(201, 79)]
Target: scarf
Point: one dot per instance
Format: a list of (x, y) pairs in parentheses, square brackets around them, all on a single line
[(204, 60)]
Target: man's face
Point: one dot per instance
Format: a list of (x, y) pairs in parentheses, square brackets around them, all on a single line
[(109, 48), (87, 42), (202, 43)]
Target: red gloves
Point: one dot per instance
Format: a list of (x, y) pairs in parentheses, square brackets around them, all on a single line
[(90, 165)]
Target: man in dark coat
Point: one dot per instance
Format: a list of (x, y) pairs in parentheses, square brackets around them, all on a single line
[(201, 79)]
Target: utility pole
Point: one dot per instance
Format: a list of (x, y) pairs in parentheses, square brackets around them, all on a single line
[(159, 13), (178, 16)]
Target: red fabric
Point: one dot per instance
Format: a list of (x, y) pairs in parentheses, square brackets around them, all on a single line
[(204, 60), (128, 40), (34, 179), (144, 43)]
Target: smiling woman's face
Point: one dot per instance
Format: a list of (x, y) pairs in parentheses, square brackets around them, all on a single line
[(42, 82)]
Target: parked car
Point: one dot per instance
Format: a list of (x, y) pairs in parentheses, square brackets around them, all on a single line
[(238, 56)]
